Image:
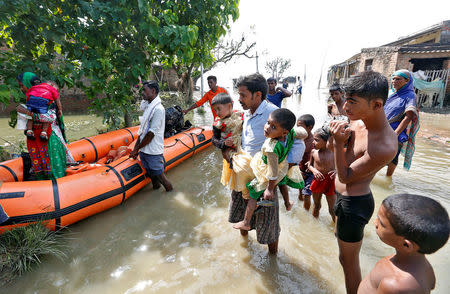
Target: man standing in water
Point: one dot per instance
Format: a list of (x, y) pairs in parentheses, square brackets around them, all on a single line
[(276, 95), (252, 96), (150, 143), (214, 90), (361, 149)]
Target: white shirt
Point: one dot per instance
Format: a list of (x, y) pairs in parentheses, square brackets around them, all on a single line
[(156, 126)]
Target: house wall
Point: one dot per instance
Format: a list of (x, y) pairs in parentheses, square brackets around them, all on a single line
[(384, 59)]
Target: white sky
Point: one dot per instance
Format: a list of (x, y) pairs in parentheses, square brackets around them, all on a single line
[(324, 32)]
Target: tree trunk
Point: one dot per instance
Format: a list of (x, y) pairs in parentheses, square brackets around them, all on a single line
[(127, 119)]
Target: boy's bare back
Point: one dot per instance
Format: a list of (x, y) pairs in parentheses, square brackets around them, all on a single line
[(388, 276), (366, 154)]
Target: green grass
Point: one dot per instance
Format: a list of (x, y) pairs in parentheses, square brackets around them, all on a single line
[(23, 248)]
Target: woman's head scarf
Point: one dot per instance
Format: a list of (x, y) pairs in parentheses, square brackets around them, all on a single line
[(28, 79)]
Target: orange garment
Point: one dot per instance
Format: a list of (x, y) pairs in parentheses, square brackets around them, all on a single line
[(209, 96)]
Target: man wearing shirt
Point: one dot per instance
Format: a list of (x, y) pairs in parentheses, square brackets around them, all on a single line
[(252, 96), (150, 143), (276, 95), (214, 90)]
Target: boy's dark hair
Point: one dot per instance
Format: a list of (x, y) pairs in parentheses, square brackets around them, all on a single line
[(307, 119), (269, 80), (284, 117), (335, 87), (214, 78), (323, 133), (151, 85), (254, 83), (368, 85), (419, 219), (222, 98)]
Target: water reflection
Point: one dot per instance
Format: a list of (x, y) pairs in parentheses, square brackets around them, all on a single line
[(160, 242)]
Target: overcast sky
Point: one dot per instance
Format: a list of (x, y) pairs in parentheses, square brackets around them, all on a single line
[(325, 32)]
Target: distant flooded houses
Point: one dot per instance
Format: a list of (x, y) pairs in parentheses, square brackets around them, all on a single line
[(425, 53)]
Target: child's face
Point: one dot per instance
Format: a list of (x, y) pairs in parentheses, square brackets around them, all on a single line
[(384, 229), (336, 95), (319, 143), (356, 107), (223, 110), (273, 129)]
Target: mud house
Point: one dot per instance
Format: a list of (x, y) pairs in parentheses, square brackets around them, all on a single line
[(426, 53)]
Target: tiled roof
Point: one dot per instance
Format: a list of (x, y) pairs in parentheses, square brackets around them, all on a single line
[(425, 48)]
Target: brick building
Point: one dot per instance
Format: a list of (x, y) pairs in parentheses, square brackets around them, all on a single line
[(427, 51)]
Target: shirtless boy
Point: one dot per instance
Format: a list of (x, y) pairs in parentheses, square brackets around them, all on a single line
[(336, 108), (371, 144), (414, 225), (322, 166), (307, 122)]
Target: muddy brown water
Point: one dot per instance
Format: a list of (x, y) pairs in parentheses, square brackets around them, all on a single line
[(181, 242)]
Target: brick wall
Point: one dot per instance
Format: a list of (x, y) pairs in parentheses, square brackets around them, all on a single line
[(384, 59)]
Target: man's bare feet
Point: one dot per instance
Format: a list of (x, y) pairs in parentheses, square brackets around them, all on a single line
[(288, 205), (242, 226), (300, 196)]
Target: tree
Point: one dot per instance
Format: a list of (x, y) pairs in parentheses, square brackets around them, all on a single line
[(226, 50), (106, 46), (278, 66)]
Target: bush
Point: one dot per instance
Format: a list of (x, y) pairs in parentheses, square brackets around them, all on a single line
[(23, 248)]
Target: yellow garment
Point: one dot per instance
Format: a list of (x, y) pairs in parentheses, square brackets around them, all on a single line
[(263, 171), (294, 174), (237, 178)]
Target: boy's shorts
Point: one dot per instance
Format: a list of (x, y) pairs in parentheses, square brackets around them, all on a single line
[(38, 104), (153, 164), (326, 186), (353, 213), (307, 177)]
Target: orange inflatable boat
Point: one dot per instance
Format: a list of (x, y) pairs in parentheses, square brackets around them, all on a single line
[(91, 187)]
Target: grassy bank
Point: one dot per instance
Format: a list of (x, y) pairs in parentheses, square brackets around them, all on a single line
[(24, 248)]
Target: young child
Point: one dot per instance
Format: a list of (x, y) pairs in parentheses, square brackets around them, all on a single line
[(307, 122), (361, 149), (414, 226), (270, 165), (294, 157), (227, 130), (336, 108), (39, 98), (322, 166)]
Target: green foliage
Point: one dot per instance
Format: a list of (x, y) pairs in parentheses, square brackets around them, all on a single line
[(106, 46), (23, 248)]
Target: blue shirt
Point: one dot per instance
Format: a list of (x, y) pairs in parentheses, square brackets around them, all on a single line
[(276, 98), (295, 155), (253, 127)]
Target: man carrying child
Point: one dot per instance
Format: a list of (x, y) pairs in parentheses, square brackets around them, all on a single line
[(252, 96)]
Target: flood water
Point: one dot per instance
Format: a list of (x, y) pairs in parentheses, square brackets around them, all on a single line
[(181, 242)]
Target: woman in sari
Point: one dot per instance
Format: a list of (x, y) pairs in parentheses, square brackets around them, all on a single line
[(48, 158), (401, 110)]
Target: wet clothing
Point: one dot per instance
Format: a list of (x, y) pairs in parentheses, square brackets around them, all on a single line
[(276, 98), (209, 97), (396, 106), (37, 149), (326, 186), (353, 213), (152, 120), (265, 219), (153, 164), (395, 160)]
